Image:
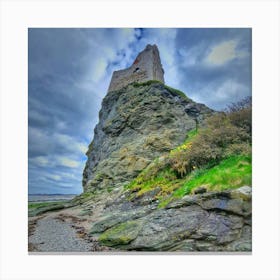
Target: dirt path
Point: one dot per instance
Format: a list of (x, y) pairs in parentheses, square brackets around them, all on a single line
[(50, 234)]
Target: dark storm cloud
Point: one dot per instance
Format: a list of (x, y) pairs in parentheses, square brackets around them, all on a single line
[(69, 71), (215, 64), (68, 75), (59, 120), (56, 52)]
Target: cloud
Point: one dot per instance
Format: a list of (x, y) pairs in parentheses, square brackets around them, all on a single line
[(69, 143), (191, 56), (43, 143), (214, 65), (40, 161), (38, 142), (81, 147), (99, 69), (219, 95), (64, 161), (228, 92), (54, 177), (224, 52)]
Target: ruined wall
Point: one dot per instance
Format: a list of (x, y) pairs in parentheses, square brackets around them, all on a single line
[(147, 66)]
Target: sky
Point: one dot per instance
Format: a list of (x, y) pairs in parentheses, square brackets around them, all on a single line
[(69, 71)]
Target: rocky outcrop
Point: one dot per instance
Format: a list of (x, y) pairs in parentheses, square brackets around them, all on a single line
[(137, 124), (212, 221)]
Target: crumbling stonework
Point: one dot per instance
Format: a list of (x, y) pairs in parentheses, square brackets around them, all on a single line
[(147, 66)]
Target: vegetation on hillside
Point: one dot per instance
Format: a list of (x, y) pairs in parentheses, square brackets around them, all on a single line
[(172, 90), (215, 157), (36, 208)]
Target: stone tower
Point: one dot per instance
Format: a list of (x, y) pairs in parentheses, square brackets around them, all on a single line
[(146, 66)]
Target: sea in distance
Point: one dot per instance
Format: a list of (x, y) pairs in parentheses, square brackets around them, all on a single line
[(49, 197)]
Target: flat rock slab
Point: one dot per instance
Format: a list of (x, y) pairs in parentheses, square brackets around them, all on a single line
[(53, 235)]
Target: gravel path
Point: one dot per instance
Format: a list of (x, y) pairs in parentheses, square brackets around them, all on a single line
[(52, 235)]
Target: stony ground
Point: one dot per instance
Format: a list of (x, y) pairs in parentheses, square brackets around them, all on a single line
[(60, 232), (54, 235), (207, 222)]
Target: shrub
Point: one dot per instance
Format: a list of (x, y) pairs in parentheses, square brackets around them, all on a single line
[(222, 131), (180, 163), (240, 114), (217, 155), (240, 105), (220, 138), (238, 149), (242, 119)]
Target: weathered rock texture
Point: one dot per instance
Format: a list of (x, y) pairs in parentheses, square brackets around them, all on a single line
[(213, 221), (137, 124), (147, 66)]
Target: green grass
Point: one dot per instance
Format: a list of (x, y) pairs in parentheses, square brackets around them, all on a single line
[(150, 82), (230, 173), (190, 137), (160, 175), (120, 234), (173, 90), (36, 208), (191, 134), (177, 92), (165, 180), (33, 205)]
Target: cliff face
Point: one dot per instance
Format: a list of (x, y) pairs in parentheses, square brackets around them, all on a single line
[(137, 124), (140, 122)]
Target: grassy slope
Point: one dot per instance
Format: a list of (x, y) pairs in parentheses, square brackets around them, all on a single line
[(159, 175), (173, 90), (232, 172)]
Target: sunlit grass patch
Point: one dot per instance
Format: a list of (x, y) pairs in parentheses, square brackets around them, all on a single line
[(230, 173)]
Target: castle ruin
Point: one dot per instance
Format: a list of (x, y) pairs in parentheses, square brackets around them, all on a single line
[(147, 66)]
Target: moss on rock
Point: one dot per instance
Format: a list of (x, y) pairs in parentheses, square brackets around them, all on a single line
[(121, 234)]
